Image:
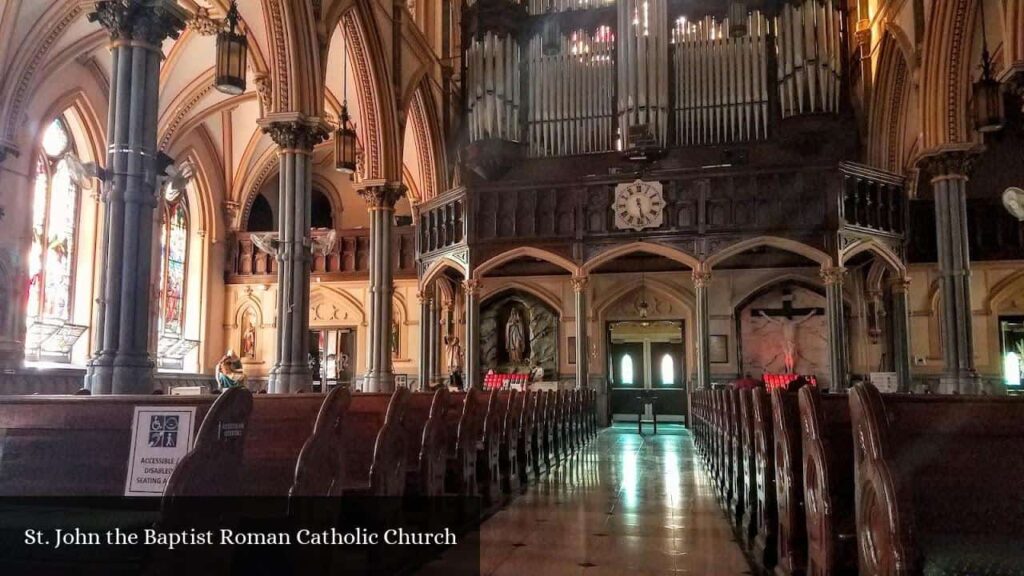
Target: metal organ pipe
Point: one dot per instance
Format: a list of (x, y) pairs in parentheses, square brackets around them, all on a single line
[(809, 54), (643, 67), (721, 89), (492, 81)]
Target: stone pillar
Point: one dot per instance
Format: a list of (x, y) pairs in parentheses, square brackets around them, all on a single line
[(472, 318), (701, 280), (122, 363), (435, 340), (949, 172), (426, 321), (838, 366), (380, 200), (296, 135), (901, 332), (579, 286)]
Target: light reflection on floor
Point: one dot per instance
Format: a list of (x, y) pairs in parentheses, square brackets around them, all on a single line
[(625, 505)]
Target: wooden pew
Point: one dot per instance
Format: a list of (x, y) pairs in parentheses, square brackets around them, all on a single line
[(764, 549), (938, 483), (488, 459), (320, 468), (375, 444), (465, 421), (511, 428), (426, 437), (789, 485), (525, 442), (828, 482), (736, 502), (542, 434), (748, 526)]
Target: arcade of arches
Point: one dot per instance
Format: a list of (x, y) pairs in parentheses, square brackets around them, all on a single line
[(464, 206), (643, 198)]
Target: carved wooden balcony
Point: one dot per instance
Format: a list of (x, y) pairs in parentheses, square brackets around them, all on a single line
[(348, 260)]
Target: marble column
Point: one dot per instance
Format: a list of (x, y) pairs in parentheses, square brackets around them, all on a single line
[(381, 200), (901, 332), (949, 172), (122, 363), (833, 277), (426, 304), (296, 135), (701, 281), (579, 286), (472, 344)]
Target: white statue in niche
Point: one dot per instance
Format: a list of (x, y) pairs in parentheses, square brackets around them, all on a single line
[(515, 337), (789, 334)]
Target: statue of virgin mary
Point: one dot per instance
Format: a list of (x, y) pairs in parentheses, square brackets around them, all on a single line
[(515, 337)]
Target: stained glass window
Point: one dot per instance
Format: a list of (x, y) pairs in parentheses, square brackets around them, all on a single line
[(174, 248), (54, 214), (668, 370), (626, 367)]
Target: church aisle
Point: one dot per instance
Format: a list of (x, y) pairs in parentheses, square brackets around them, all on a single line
[(627, 504)]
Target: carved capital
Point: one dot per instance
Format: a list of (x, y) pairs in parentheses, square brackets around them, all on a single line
[(832, 275), (203, 24), (231, 210), (950, 163), (579, 283), (701, 278), (383, 197), (472, 287), (264, 91), (901, 285), (425, 297), (148, 21), (295, 133)]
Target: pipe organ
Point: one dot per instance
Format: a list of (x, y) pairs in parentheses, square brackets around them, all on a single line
[(567, 77), (809, 57), (571, 93), (493, 90), (721, 82)]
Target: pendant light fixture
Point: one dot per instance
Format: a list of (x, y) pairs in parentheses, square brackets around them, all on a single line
[(232, 52), (345, 136), (989, 112), (738, 19)]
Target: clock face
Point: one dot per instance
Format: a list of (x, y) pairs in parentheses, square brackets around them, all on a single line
[(638, 205)]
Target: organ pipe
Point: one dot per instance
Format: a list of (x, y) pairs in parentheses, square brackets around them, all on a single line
[(551, 6), (721, 82), (809, 57), (643, 68), (492, 88), (571, 93)]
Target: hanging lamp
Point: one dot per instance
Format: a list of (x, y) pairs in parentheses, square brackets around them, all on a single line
[(232, 52), (989, 111), (345, 136)]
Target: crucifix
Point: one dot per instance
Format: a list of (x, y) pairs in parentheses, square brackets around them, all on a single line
[(789, 318)]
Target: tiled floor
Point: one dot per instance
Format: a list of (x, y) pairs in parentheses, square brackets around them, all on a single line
[(625, 505)]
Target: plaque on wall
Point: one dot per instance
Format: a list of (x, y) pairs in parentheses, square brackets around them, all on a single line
[(718, 349)]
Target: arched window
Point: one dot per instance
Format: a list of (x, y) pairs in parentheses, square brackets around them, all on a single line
[(321, 211), (174, 248), (54, 215), (668, 370), (626, 369)]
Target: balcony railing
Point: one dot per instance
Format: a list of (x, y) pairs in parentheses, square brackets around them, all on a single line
[(442, 223), (348, 260), (873, 200)]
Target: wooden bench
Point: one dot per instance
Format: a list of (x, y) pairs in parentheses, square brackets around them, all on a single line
[(512, 426), (375, 444), (828, 482), (488, 459), (764, 547), (465, 420), (542, 443), (320, 468), (524, 443), (736, 501), (748, 525), (938, 482), (789, 485), (426, 454)]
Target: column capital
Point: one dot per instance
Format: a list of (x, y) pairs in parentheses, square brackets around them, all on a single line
[(901, 285), (949, 162), (147, 21), (425, 297), (382, 196), (472, 286), (292, 131), (701, 278), (579, 283), (832, 275)]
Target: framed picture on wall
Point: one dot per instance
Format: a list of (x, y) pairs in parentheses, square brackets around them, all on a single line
[(572, 350), (718, 349)]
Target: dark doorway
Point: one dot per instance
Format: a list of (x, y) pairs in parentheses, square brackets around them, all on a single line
[(261, 216)]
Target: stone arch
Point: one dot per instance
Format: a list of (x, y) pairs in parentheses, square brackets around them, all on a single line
[(321, 294), (526, 252), (642, 247), (884, 253), (541, 294), (1013, 37), (429, 147), (324, 184), (295, 47), (1003, 291), (810, 283), (682, 296), (946, 73), (437, 267), (785, 244), (891, 105)]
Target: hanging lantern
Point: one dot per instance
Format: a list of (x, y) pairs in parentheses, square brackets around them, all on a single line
[(232, 52), (345, 144), (738, 16), (989, 112)]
